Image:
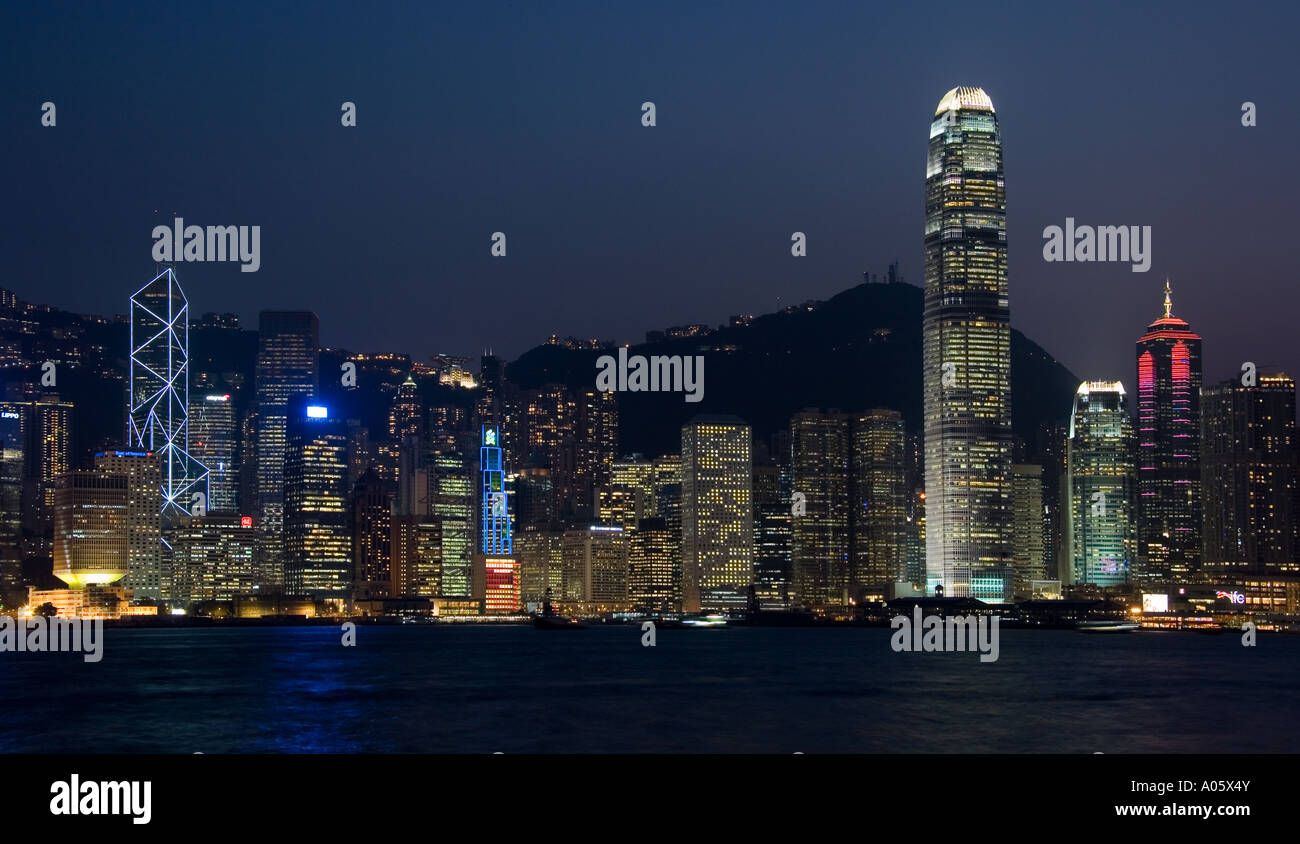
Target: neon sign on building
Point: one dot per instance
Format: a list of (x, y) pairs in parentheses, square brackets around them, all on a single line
[(495, 508)]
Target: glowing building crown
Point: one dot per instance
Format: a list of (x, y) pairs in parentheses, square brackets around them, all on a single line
[(967, 98)]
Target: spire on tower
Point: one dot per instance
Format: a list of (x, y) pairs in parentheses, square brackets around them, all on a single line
[(1169, 302)]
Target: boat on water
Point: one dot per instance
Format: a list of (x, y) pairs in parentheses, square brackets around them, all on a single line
[(1108, 625), (710, 620), (548, 620)]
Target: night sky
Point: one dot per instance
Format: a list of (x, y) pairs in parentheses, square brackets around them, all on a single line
[(525, 118)]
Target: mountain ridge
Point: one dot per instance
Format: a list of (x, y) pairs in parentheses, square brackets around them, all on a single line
[(870, 330)]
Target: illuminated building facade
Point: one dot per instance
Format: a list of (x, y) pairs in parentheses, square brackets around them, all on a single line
[(772, 520), (145, 575), (12, 470), (497, 584), (820, 535), (89, 602), (717, 514), (497, 579), (1248, 472), (372, 538), (1029, 560), (215, 558), (494, 504), (549, 418), (416, 554), (317, 544), (541, 561), (637, 473), (287, 367), (91, 515), (160, 392), (1099, 487), (1169, 448), (214, 442), (668, 490), (451, 502), (619, 505), (596, 446), (654, 568), (406, 416), (595, 569), (878, 516), (49, 455), (966, 350)]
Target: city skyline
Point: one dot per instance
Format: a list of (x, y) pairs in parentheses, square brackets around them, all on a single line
[(309, 464), (533, 385), (1154, 118)]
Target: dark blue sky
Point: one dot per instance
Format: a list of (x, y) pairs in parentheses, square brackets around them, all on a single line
[(525, 118)]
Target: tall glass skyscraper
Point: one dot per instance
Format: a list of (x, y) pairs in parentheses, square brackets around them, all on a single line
[(160, 391), (1169, 447), (451, 503), (11, 502), (214, 439), (878, 515), (494, 505), (317, 541), (967, 353), (287, 364), (1248, 474), (1100, 538), (819, 535)]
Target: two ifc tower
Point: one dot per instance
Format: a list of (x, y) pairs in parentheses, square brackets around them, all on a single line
[(966, 350)]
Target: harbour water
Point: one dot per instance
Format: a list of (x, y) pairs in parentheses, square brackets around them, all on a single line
[(514, 689)]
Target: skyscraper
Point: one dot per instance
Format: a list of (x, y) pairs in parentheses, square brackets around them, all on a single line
[(597, 427), (11, 497), (1099, 487), (541, 564), (451, 502), (416, 554), (287, 364), (406, 416), (214, 442), (90, 528), (1029, 560), (143, 470), (717, 514), (654, 567), (1248, 471), (966, 352), (1169, 448), (372, 538), (772, 557), (595, 564), (878, 512), (494, 504), (317, 545), (819, 531), (214, 558), (160, 392), (48, 455), (496, 571)]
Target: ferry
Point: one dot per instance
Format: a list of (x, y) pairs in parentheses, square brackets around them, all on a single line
[(1108, 625), (711, 620)]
